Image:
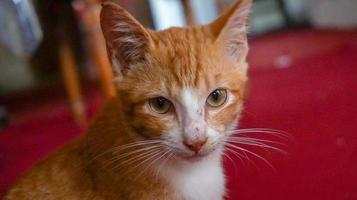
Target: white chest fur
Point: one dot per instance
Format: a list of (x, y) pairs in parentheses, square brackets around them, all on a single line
[(203, 180)]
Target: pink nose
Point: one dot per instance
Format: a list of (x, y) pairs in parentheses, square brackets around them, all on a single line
[(197, 145)]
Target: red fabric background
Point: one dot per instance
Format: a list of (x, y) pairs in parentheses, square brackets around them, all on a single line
[(315, 100)]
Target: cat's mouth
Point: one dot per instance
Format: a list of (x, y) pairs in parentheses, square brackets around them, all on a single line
[(197, 156), (194, 158)]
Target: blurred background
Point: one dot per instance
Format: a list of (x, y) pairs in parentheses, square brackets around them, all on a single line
[(54, 76)]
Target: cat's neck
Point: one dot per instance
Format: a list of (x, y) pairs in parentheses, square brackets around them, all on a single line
[(203, 179)]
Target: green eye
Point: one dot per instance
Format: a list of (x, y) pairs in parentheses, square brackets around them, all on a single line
[(217, 98), (160, 105)]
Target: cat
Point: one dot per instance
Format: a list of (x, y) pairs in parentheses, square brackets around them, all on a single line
[(179, 95)]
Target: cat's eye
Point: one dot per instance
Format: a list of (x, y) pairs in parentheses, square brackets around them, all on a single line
[(160, 105), (217, 98)]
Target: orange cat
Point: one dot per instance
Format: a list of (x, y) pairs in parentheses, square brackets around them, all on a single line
[(180, 95)]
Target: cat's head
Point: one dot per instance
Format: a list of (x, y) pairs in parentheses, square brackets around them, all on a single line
[(183, 86)]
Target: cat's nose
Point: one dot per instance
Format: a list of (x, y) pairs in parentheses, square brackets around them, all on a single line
[(196, 145)]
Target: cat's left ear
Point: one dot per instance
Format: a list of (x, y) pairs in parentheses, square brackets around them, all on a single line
[(230, 30)]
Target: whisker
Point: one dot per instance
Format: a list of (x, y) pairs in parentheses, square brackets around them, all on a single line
[(156, 160), (136, 158), (245, 137), (163, 164), (136, 144), (277, 133), (141, 159), (127, 146), (147, 160), (142, 155), (238, 155), (258, 144), (231, 160), (124, 155), (256, 155)]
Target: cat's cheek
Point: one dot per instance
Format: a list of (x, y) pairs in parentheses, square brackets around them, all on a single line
[(214, 136), (235, 116), (218, 119), (225, 119), (148, 125)]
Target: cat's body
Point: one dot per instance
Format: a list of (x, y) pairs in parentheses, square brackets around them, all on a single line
[(180, 93)]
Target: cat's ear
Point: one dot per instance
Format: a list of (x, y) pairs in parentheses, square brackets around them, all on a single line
[(230, 30), (126, 39)]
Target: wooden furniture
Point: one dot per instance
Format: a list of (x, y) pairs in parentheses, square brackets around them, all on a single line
[(72, 84), (88, 12), (91, 24)]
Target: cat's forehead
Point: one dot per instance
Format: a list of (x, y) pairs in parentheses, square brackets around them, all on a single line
[(193, 35), (183, 42), (184, 56), (183, 60)]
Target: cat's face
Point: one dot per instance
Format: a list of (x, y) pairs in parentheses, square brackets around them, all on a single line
[(182, 86)]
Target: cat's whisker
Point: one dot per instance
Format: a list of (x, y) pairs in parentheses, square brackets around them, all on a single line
[(140, 158), (126, 154), (240, 156), (150, 158), (265, 143), (127, 146), (231, 160), (135, 158), (251, 131), (246, 138), (156, 160), (264, 129), (157, 148), (277, 133), (153, 162), (252, 153), (136, 144), (257, 144), (244, 153), (163, 163)]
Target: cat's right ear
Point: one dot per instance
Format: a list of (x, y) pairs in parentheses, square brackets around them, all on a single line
[(126, 39)]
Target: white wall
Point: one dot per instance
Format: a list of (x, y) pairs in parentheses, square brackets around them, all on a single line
[(167, 13), (15, 74), (337, 13)]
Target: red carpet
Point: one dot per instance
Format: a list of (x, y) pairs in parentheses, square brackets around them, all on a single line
[(315, 100)]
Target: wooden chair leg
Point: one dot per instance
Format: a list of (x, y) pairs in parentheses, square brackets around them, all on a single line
[(72, 83), (99, 53), (188, 12), (90, 20)]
